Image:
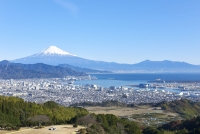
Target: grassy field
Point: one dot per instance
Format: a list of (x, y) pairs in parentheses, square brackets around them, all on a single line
[(145, 115), (122, 111), (60, 129)]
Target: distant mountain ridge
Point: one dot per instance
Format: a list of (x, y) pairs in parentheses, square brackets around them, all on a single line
[(56, 56), (10, 70), (85, 70), (167, 66)]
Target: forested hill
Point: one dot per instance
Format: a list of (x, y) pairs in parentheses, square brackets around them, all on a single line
[(185, 108), (17, 112), (10, 70)]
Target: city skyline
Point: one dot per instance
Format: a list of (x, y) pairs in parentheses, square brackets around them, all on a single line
[(122, 32)]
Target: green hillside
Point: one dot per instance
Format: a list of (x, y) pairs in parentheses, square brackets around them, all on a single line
[(108, 124), (17, 112), (186, 108)]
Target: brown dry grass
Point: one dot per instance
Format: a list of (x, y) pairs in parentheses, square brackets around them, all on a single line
[(61, 129), (122, 111)]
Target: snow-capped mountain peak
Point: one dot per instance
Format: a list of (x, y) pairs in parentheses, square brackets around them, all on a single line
[(53, 50)]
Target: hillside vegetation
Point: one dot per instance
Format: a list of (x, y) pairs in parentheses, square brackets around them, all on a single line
[(190, 126), (108, 103), (108, 124), (17, 112), (185, 108)]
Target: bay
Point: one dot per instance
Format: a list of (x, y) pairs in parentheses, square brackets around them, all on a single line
[(107, 80)]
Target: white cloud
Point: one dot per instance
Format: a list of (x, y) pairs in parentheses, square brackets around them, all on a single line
[(72, 8)]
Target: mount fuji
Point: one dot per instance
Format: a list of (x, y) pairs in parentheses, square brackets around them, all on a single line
[(57, 57), (52, 56), (53, 51)]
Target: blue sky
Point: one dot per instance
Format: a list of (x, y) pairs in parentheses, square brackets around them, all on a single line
[(121, 31)]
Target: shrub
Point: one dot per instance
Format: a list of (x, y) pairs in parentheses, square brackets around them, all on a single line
[(75, 125)]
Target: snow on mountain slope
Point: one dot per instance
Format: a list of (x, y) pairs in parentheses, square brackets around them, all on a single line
[(53, 50), (52, 56)]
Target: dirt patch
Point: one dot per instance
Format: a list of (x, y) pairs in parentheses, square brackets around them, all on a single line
[(60, 129)]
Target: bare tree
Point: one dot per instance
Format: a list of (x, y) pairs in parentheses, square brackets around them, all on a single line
[(87, 120), (40, 119)]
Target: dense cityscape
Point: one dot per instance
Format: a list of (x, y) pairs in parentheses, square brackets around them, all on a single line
[(64, 92)]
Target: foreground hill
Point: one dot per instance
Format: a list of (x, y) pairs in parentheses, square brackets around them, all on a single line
[(191, 126), (10, 70), (56, 56), (17, 112), (185, 108)]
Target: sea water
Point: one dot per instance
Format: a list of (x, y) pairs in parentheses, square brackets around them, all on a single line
[(107, 80)]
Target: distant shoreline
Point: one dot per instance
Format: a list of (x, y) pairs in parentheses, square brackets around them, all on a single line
[(173, 81), (150, 73)]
